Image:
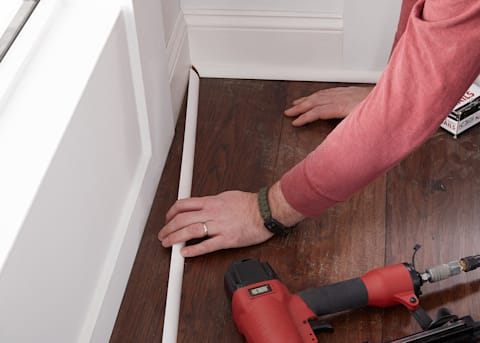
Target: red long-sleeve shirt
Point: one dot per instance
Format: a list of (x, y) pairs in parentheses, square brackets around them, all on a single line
[(436, 57)]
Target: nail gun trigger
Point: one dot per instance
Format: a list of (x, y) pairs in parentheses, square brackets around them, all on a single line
[(319, 326)]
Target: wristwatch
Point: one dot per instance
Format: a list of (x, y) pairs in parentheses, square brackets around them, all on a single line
[(272, 225)]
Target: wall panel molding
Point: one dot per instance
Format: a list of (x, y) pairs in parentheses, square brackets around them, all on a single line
[(178, 56), (83, 157), (270, 20)]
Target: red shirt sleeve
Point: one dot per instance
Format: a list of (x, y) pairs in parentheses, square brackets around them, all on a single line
[(407, 6), (433, 64)]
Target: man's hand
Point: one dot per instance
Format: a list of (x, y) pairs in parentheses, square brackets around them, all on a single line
[(232, 218), (327, 104)]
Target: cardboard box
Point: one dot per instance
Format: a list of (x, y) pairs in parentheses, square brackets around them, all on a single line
[(465, 114)]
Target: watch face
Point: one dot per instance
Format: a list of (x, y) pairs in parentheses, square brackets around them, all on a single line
[(271, 225), (275, 227)]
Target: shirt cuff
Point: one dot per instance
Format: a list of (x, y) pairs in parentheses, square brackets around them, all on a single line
[(301, 195)]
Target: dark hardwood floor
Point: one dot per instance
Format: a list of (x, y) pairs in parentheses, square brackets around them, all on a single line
[(244, 142)]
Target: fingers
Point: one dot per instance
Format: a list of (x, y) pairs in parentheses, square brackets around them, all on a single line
[(189, 232), (316, 106), (319, 112), (307, 103), (193, 231), (184, 214), (184, 219), (300, 106), (326, 104), (185, 205), (204, 247), (296, 102), (304, 119)]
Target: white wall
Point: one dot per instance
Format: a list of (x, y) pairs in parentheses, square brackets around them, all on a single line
[(302, 40), (369, 28)]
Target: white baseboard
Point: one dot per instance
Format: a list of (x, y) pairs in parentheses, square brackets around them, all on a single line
[(263, 72), (270, 45), (178, 56)]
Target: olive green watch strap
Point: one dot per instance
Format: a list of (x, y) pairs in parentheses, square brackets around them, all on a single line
[(263, 205), (272, 225)]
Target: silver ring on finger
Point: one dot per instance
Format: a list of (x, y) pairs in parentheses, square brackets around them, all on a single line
[(205, 230)]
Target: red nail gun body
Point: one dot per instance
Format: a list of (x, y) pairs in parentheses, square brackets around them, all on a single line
[(265, 311)]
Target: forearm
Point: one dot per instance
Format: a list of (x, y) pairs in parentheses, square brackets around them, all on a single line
[(281, 209), (424, 79)]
